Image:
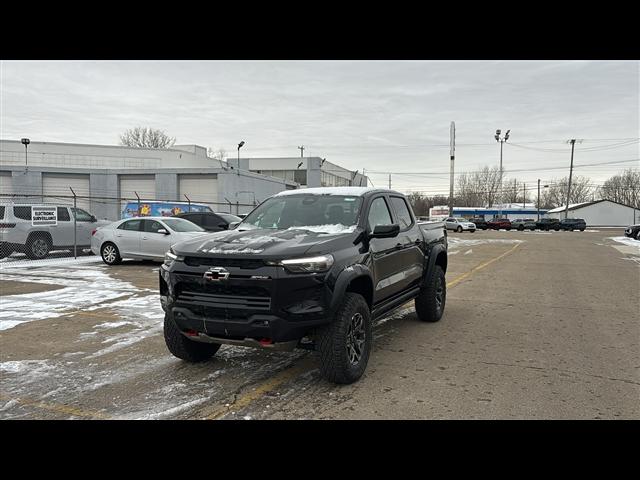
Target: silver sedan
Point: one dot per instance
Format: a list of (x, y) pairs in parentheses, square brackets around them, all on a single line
[(147, 238)]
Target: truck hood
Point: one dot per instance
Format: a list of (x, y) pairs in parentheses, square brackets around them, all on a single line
[(267, 243)]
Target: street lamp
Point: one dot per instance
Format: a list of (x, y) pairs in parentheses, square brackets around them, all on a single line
[(240, 145), (25, 142), (501, 141)]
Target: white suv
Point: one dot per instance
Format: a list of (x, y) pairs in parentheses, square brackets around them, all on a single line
[(19, 233), (459, 224)]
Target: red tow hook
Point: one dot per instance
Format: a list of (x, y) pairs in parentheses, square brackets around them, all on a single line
[(266, 341), (191, 333)]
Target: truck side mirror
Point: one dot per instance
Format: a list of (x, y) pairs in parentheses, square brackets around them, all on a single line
[(386, 231)]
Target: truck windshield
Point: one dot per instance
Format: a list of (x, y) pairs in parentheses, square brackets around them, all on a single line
[(316, 213)]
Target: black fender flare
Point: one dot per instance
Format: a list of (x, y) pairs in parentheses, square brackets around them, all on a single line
[(344, 279), (435, 252)]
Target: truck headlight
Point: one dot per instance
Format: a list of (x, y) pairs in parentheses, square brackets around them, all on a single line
[(320, 263), (171, 257)]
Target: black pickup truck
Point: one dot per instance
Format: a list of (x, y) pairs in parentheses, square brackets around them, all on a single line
[(309, 268)]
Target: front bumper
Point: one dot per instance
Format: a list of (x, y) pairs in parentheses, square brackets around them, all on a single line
[(256, 303)]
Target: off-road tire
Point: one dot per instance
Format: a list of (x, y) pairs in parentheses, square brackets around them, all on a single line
[(109, 251), (332, 341), (5, 250), (432, 299), (38, 246), (183, 348)]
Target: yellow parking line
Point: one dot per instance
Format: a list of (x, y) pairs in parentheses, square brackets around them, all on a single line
[(56, 408), (464, 276), (271, 384)]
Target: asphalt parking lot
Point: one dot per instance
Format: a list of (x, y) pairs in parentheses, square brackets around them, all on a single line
[(537, 325)]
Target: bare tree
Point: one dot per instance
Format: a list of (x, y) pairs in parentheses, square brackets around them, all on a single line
[(556, 194), (219, 154), (422, 203), (513, 191), (478, 188), (623, 188), (146, 137)]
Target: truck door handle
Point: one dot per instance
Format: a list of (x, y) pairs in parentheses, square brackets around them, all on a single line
[(399, 246)]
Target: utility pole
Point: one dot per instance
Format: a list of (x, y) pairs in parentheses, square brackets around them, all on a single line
[(389, 181), (524, 194), (573, 144), (452, 155), (538, 199), (501, 140), (301, 148)]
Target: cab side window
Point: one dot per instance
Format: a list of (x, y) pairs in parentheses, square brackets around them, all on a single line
[(379, 213), (130, 225), (152, 226), (63, 214), (81, 215), (402, 212)]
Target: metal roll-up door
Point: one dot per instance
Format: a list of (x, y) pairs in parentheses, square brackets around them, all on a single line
[(199, 188), (56, 188)]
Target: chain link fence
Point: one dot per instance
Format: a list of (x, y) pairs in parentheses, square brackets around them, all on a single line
[(43, 228)]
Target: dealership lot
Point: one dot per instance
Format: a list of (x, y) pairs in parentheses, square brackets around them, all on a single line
[(537, 325)]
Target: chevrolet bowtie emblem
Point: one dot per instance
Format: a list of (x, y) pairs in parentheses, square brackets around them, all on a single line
[(216, 274)]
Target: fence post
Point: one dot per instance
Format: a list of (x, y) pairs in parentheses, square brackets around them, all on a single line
[(237, 207), (75, 230), (138, 203), (188, 200)]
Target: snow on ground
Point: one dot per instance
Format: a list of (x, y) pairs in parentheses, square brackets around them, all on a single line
[(457, 243), (23, 261), (626, 241)]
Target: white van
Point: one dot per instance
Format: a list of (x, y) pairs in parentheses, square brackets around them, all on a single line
[(50, 229)]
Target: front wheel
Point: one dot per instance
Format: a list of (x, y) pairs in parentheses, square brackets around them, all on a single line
[(344, 345), (521, 228), (431, 300), (183, 348), (459, 229)]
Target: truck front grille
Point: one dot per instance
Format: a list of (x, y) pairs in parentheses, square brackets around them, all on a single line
[(244, 263), (225, 301)]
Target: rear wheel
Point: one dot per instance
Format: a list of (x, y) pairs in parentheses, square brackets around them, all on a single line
[(110, 254), (345, 344), (183, 348), (431, 300), (38, 247)]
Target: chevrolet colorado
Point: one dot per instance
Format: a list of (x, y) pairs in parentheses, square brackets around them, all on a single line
[(309, 268)]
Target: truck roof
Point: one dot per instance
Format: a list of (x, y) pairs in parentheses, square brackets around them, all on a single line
[(349, 191)]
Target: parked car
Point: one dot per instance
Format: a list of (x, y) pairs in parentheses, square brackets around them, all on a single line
[(498, 223), (524, 224), (146, 238), (547, 224), (459, 224), (480, 223), (633, 231), (571, 224), (51, 229), (211, 222), (310, 268)]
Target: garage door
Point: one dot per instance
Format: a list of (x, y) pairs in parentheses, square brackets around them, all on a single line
[(56, 187), (199, 188), (6, 187), (144, 185)]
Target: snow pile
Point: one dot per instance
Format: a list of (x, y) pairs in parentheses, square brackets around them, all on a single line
[(626, 241)]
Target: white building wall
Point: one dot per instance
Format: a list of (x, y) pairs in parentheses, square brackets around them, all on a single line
[(603, 214)]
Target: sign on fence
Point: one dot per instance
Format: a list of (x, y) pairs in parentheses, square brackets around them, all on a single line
[(44, 216)]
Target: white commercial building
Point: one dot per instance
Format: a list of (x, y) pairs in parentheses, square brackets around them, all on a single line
[(600, 213), (105, 177)]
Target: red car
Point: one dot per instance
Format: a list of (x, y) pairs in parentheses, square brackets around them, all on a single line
[(498, 223)]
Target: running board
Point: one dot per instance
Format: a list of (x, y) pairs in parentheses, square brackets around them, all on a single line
[(395, 303)]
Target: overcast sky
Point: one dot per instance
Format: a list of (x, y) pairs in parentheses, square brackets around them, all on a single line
[(383, 116)]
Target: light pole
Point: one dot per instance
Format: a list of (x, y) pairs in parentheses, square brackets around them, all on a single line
[(545, 186), (501, 141), (240, 145), (25, 142)]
